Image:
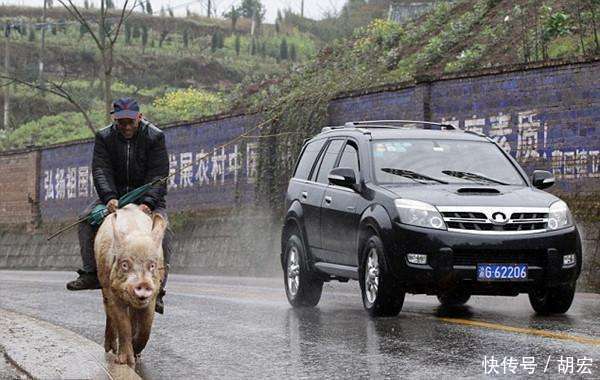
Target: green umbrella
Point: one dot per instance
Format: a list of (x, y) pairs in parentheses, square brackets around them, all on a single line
[(96, 217)]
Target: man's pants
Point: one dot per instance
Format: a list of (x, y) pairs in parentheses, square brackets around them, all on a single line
[(87, 233)]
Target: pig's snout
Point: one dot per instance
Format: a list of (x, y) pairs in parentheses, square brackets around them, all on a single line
[(143, 291)]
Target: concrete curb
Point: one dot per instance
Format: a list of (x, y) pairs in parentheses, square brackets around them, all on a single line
[(46, 351)]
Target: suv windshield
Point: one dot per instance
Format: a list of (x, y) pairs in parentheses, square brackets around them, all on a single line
[(449, 161)]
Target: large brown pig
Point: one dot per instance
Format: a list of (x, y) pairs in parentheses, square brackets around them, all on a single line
[(129, 257)]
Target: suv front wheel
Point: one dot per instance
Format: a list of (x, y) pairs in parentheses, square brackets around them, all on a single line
[(380, 293), (302, 287), (552, 300)]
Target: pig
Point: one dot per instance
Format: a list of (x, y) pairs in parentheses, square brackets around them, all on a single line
[(129, 258)]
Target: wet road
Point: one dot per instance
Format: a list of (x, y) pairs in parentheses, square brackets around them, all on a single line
[(224, 327)]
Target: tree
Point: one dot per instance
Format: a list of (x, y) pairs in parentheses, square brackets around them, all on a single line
[(251, 8), (148, 7), (283, 50), (86, 4), (234, 14), (220, 40), (255, 11), (144, 38), (237, 44), (136, 32), (53, 29), (163, 36), (263, 49), (171, 12), (127, 33), (253, 47), (31, 33), (82, 31), (214, 42), (277, 26), (105, 39), (185, 38), (293, 52)]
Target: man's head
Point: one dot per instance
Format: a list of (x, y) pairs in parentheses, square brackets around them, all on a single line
[(126, 113)]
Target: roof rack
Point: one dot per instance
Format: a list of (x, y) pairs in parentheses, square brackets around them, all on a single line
[(399, 124)]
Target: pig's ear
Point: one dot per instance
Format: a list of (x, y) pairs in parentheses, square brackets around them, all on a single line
[(159, 225), (118, 234)]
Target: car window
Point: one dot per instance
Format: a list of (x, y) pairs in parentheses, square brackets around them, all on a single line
[(349, 158), (328, 160), (451, 161), (307, 159)]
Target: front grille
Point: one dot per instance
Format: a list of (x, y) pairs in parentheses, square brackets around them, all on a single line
[(472, 258), (472, 220)]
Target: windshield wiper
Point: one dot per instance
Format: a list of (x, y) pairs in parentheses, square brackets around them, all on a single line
[(417, 177), (472, 177)]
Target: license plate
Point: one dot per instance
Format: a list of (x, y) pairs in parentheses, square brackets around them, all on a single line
[(501, 272)]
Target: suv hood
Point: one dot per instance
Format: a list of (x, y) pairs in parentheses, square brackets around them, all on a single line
[(474, 195)]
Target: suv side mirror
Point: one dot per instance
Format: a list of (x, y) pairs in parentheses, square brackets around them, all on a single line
[(344, 177), (542, 179)]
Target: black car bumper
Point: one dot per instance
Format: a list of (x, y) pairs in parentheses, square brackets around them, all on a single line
[(452, 259)]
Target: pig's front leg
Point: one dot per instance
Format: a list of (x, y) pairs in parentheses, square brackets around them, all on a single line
[(142, 318), (120, 320), (110, 338)]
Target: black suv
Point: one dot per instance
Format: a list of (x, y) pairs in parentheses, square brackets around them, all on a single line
[(420, 207)]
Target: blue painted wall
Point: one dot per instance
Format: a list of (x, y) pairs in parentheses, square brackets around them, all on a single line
[(546, 117), (225, 177)]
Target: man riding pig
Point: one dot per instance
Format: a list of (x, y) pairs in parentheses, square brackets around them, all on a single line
[(128, 153)]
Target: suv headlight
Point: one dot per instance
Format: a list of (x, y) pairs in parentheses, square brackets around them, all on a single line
[(419, 214), (559, 216)]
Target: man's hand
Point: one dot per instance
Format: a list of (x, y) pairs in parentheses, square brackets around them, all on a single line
[(145, 209), (112, 205)]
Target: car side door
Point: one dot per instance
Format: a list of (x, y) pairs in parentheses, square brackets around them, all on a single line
[(340, 213), (315, 190), (307, 192)]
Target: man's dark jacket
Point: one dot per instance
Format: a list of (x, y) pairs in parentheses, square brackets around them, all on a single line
[(120, 165)]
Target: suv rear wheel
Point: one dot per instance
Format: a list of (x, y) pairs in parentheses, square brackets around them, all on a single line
[(302, 287), (552, 300), (382, 297)]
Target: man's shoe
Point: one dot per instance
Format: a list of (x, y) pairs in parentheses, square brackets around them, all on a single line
[(160, 306), (86, 280)]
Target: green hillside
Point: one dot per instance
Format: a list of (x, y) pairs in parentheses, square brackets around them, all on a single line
[(158, 59), (195, 66)]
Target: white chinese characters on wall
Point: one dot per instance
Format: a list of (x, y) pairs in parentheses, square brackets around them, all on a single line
[(187, 169), (532, 143)]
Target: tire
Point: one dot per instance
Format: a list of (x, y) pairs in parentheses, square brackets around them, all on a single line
[(381, 295), (454, 298), (555, 300), (302, 288)]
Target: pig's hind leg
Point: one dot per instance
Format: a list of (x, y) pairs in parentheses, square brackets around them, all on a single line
[(142, 319)]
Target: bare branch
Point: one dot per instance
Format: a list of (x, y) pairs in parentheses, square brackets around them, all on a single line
[(121, 20), (74, 11), (57, 90)]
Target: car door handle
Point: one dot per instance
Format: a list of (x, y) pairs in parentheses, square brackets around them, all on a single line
[(328, 200), (304, 195), (350, 208)]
